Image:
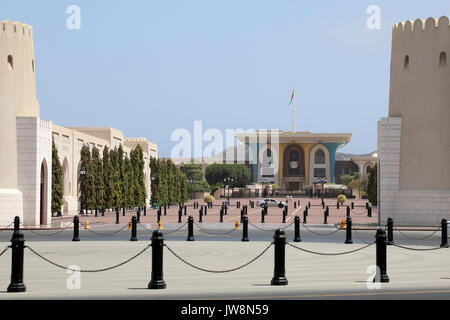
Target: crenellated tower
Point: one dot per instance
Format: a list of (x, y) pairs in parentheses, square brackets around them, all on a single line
[(414, 141)]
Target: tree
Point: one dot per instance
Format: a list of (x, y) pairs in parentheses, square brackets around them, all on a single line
[(372, 190), (85, 159), (216, 173), (123, 174), (97, 167), (109, 189), (139, 193), (127, 197), (57, 181), (114, 177), (169, 185), (192, 171)]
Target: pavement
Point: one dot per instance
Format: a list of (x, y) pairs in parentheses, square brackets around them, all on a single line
[(413, 274)]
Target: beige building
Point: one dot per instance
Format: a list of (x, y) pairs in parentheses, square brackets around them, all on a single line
[(26, 140), (414, 140)]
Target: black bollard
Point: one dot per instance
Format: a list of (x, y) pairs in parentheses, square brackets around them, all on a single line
[(200, 215), (242, 215), (367, 205), (165, 210), (390, 233), (17, 246), (185, 210), (138, 214), (325, 220), (123, 212), (323, 205), (157, 280), (190, 229), (309, 204), (262, 216), (76, 229), (306, 210), (381, 260), (328, 211), (304, 215), (103, 211), (221, 215), (444, 241), (245, 229), (145, 210), (95, 212), (348, 211), (158, 216), (369, 212), (284, 215), (180, 213), (297, 229), (206, 210), (337, 205), (353, 205), (295, 205), (348, 229), (279, 277), (238, 205), (226, 210), (117, 215), (16, 224), (133, 229)]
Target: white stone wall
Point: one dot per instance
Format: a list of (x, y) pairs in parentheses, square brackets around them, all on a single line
[(34, 146), (10, 206), (388, 171)]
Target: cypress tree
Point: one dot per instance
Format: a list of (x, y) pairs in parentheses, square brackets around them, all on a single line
[(89, 181), (115, 179), (128, 196), (57, 182), (372, 186), (123, 177), (98, 179), (107, 178), (85, 155)]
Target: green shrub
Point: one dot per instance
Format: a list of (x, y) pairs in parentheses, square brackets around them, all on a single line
[(341, 198), (209, 199)]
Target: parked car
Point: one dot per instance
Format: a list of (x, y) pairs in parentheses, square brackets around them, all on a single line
[(270, 203)]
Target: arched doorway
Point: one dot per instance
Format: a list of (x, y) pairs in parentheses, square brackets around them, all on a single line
[(293, 167), (43, 194)]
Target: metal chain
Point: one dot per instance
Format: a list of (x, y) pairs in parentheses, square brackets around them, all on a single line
[(144, 227), (107, 234), (321, 234), (94, 270), (219, 271), (417, 249), (47, 234), (412, 238), (267, 230), (4, 250), (358, 214), (6, 228), (332, 254), (215, 234), (360, 238), (173, 231)]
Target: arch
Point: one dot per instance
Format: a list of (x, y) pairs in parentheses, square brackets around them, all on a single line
[(294, 161), (406, 63), (443, 59), (65, 177), (10, 62), (43, 193), (319, 167)]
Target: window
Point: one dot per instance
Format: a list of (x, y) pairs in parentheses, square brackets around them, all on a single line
[(406, 63), (293, 155), (319, 157), (10, 62), (442, 59)]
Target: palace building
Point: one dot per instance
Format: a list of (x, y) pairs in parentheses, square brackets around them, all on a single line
[(292, 160), (26, 140)]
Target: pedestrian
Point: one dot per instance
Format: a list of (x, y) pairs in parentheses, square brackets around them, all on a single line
[(290, 198)]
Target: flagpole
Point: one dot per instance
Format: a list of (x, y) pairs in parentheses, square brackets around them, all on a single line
[(293, 113)]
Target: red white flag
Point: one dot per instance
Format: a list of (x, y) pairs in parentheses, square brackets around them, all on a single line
[(292, 97)]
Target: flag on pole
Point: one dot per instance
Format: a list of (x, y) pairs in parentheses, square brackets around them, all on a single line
[(292, 97)]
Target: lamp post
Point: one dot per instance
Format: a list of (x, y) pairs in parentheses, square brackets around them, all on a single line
[(226, 182), (82, 175)]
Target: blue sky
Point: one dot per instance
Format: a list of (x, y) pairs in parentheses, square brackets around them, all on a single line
[(150, 67)]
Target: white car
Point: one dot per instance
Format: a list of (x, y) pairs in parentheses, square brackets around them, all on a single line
[(270, 203)]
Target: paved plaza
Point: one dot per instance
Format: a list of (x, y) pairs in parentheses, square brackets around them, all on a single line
[(310, 276)]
